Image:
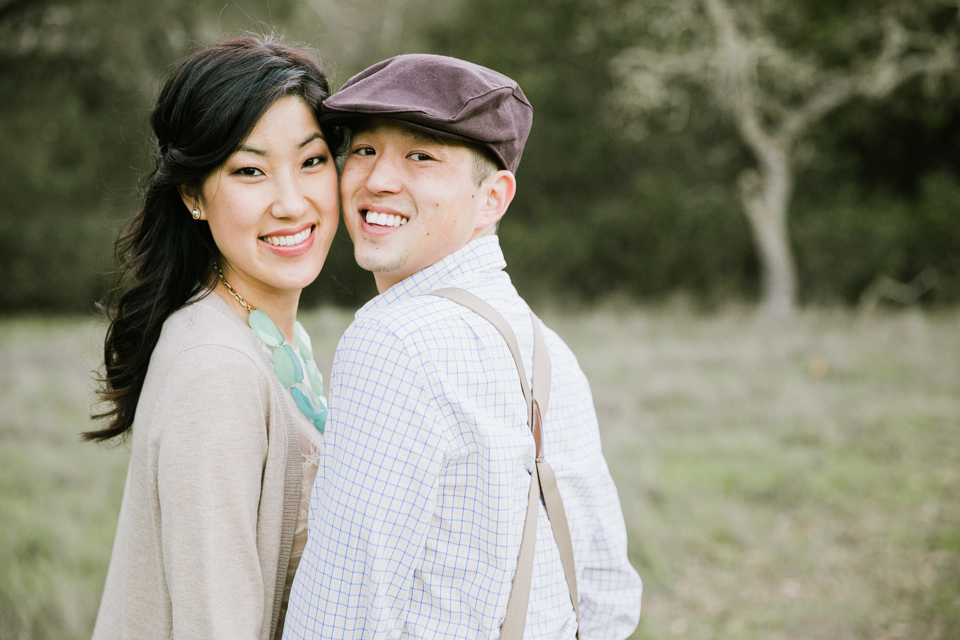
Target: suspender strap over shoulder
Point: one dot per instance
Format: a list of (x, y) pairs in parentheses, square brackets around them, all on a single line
[(542, 480)]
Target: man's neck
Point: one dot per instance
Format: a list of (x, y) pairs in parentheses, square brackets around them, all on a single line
[(385, 281)]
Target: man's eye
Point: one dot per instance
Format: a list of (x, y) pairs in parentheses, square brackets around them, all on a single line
[(420, 157), (315, 161), (250, 172), (364, 151)]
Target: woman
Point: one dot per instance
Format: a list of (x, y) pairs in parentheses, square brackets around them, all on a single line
[(206, 368)]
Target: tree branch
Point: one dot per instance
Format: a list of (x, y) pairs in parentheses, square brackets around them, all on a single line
[(736, 84), (734, 59), (645, 74), (890, 70)]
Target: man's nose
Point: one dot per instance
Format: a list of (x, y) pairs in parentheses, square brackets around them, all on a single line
[(384, 176)]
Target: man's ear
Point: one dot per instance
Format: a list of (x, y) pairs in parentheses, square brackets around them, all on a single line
[(191, 199), (498, 191)]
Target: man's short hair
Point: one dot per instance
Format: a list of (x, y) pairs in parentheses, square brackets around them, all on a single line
[(484, 164)]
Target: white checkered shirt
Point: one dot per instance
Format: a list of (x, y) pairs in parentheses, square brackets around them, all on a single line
[(418, 510)]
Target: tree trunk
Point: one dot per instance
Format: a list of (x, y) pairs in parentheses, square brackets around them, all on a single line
[(766, 198)]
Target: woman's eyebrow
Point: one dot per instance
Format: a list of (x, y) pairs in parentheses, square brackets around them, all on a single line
[(261, 152), (311, 139), (258, 152)]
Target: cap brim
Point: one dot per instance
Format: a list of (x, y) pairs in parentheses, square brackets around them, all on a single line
[(339, 117)]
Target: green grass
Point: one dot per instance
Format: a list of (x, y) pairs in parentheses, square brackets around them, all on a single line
[(794, 480)]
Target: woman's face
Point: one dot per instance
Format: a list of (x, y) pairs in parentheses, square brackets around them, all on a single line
[(272, 207)]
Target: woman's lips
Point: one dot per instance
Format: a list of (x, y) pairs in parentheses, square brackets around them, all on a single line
[(290, 245)]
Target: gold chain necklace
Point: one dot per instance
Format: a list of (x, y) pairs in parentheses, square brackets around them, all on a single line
[(232, 291)]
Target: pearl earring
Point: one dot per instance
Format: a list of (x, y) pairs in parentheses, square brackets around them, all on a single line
[(196, 212)]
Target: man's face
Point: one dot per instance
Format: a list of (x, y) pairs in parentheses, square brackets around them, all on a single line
[(409, 200)]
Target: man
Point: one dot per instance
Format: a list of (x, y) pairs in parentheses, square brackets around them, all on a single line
[(421, 498)]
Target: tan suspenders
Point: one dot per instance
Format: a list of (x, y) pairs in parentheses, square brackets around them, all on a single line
[(542, 480)]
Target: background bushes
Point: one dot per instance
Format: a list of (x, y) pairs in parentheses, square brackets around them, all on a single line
[(604, 207)]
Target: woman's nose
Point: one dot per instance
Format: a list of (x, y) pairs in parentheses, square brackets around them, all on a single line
[(290, 199)]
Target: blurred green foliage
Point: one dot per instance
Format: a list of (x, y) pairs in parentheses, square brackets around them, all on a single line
[(604, 206), (598, 211), (62, 162)]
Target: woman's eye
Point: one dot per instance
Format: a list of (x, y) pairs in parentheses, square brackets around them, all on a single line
[(251, 172), (315, 161), (364, 151)]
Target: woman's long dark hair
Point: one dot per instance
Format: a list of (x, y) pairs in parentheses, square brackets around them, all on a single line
[(205, 111)]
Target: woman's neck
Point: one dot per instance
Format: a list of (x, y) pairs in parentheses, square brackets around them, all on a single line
[(281, 307)]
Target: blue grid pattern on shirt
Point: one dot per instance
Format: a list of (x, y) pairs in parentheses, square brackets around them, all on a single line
[(418, 510)]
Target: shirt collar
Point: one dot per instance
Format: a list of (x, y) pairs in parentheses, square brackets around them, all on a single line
[(461, 266)]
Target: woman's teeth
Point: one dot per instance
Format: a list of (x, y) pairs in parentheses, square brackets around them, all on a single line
[(385, 219), (286, 241)]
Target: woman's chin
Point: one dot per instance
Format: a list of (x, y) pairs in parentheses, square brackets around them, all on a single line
[(296, 282), (292, 277)]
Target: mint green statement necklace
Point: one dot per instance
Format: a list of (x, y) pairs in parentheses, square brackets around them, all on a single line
[(306, 386)]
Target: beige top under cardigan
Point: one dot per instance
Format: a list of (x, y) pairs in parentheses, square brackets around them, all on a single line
[(212, 493), (311, 446)]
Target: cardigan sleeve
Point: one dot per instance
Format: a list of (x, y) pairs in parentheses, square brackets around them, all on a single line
[(211, 432)]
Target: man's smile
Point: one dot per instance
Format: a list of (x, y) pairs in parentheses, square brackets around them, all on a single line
[(384, 219), (381, 218)]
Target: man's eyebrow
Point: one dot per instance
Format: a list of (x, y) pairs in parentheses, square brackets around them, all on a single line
[(265, 154), (426, 136)]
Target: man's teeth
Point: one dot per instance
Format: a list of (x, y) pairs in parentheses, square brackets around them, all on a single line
[(286, 241), (385, 219)]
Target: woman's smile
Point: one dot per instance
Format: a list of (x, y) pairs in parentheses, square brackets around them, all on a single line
[(287, 243)]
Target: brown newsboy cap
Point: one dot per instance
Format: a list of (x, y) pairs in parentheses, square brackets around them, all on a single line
[(442, 95)]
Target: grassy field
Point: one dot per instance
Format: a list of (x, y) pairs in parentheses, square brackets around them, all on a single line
[(795, 480)]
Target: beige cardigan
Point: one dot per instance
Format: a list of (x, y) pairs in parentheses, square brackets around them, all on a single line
[(212, 490)]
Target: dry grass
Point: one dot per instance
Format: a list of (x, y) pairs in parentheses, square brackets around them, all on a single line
[(784, 481), (797, 480)]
